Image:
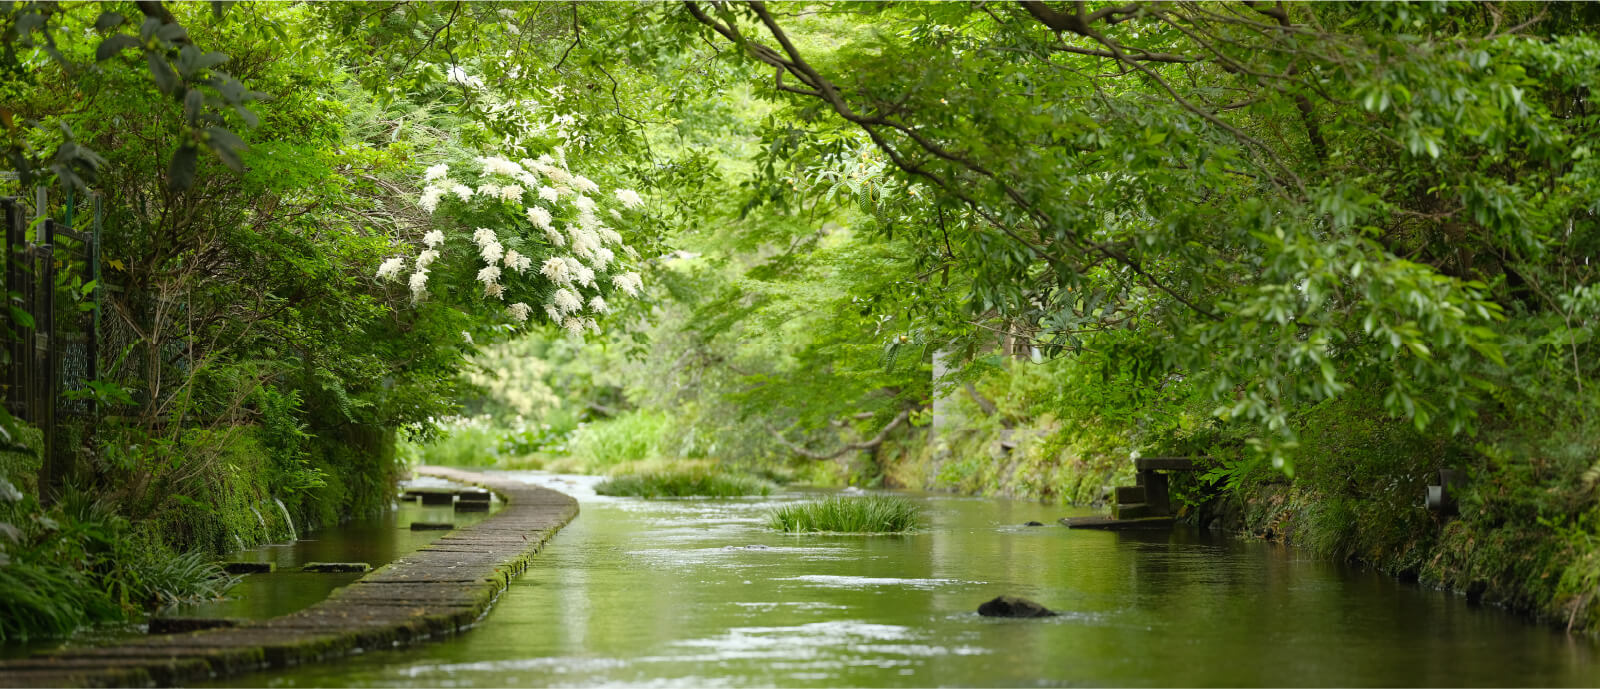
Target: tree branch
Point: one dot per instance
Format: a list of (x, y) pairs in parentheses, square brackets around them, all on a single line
[(847, 447)]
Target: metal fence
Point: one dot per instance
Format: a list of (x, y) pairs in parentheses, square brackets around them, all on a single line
[(53, 291)]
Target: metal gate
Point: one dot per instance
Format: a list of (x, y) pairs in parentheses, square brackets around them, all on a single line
[(57, 352)]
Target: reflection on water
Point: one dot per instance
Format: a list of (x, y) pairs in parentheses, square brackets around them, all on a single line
[(376, 541), (698, 593)]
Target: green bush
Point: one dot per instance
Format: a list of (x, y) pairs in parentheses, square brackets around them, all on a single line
[(628, 437), (683, 482), (871, 515), (80, 563)]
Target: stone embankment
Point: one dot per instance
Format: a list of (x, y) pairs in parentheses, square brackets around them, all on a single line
[(436, 592)]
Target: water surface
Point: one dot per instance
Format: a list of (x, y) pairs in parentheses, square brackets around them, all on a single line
[(698, 593)]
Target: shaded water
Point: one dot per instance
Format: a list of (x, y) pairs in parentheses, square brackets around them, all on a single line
[(698, 593), (376, 541)]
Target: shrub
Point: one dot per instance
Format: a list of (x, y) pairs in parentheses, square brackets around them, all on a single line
[(682, 482), (871, 514), (628, 437)]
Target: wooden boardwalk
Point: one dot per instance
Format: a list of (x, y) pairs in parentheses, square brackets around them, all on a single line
[(436, 592)]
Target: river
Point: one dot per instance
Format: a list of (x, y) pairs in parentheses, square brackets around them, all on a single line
[(699, 593)]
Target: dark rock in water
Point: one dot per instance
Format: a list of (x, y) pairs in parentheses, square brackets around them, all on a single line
[(1034, 524), (432, 526), (336, 567), (1012, 606)]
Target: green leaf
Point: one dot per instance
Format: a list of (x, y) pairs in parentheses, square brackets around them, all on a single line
[(113, 45), (180, 172)]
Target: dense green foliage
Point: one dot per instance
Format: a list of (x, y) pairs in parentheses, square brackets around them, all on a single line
[(873, 514), (989, 247)]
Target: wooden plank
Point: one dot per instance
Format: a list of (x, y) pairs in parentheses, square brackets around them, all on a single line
[(1109, 524), (1166, 464)]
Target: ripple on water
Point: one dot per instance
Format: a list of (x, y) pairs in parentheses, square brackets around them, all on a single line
[(846, 582), (819, 645)]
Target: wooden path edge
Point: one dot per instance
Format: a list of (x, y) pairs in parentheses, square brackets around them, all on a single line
[(434, 593)]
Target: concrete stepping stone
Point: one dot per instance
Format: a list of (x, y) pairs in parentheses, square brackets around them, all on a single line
[(336, 567), (432, 526), (248, 567)]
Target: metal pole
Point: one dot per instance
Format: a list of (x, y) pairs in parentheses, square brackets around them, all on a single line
[(50, 474), (94, 326)]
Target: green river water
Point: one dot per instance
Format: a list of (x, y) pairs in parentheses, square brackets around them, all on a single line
[(698, 593)]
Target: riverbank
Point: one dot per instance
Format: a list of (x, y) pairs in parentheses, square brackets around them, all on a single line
[(434, 593), (1525, 534)]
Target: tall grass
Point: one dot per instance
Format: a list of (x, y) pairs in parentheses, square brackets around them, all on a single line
[(679, 482), (872, 514), (628, 437)]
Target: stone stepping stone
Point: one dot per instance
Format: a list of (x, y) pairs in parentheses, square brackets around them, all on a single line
[(249, 567), (472, 506), (336, 567), (178, 625), (432, 526)]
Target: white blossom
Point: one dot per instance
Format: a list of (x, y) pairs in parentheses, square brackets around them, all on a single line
[(495, 165), (610, 236), (566, 301), (616, 214), (587, 221), (584, 242), (430, 198), (419, 284), (484, 236), (628, 282), (433, 239), (603, 257), (550, 310), (555, 236), (556, 270), (629, 198), (528, 180), (489, 190), (545, 159), (489, 274), (494, 289), (575, 325), (584, 275), (457, 75), (584, 203), (518, 312), (584, 184), (517, 262), (559, 176), (491, 252), (390, 269), (539, 217), (598, 304), (461, 191), (513, 30), (511, 192), (436, 172), (426, 258), (549, 194)]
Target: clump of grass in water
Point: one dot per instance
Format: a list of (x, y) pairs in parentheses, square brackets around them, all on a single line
[(871, 514), (681, 483)]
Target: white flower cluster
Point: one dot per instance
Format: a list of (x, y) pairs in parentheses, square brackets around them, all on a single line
[(592, 247)]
